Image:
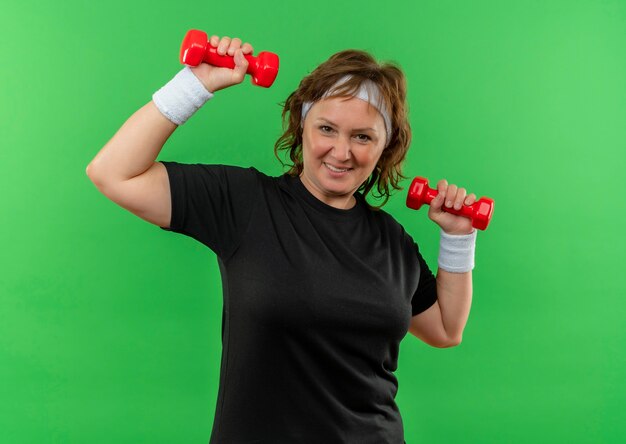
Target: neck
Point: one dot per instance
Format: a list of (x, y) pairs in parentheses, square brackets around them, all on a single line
[(342, 202)]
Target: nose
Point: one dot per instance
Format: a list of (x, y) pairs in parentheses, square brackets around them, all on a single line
[(342, 148)]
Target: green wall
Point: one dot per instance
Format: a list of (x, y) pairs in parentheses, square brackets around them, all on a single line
[(110, 327)]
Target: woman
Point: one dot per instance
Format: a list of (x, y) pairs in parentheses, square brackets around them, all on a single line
[(319, 286)]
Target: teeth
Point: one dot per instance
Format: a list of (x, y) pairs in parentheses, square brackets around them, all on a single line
[(336, 170)]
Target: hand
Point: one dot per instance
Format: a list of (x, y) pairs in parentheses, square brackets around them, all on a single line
[(214, 78), (451, 223)]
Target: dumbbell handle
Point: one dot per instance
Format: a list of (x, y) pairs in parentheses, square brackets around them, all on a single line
[(479, 212), (226, 61)]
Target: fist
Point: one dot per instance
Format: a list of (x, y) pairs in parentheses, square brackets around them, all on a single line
[(214, 78), (451, 196)]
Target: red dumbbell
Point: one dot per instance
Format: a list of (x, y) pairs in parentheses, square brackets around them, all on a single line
[(196, 49), (479, 212)]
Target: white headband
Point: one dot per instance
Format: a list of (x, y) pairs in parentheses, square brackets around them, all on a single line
[(368, 91)]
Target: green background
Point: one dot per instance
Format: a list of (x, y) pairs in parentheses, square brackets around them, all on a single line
[(110, 327)]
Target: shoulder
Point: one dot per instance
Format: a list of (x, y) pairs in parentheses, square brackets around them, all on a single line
[(393, 229), (215, 171), (386, 220)]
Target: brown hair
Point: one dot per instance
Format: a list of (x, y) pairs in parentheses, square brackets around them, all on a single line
[(362, 67)]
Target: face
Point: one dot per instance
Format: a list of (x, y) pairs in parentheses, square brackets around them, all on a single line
[(342, 140)]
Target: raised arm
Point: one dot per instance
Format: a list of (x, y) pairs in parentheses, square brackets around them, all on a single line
[(443, 323), (134, 147), (125, 169)]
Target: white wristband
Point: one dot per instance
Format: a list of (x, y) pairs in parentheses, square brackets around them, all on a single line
[(456, 252), (181, 97)]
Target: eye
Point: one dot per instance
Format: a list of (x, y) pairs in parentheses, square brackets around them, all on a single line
[(363, 137), (325, 128)]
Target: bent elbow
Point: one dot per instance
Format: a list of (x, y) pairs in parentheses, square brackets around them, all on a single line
[(449, 342), (89, 172), (455, 341)]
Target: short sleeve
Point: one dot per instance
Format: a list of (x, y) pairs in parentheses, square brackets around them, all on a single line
[(211, 203), (426, 294)]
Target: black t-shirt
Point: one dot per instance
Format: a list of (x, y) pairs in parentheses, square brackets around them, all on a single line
[(316, 302)]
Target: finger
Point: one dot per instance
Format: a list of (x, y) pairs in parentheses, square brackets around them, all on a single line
[(470, 199), (437, 202), (214, 41), (234, 45), (460, 197), (241, 66), (442, 186), (450, 195), (223, 46), (247, 48)]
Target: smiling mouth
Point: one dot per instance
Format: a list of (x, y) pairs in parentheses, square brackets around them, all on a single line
[(335, 169)]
